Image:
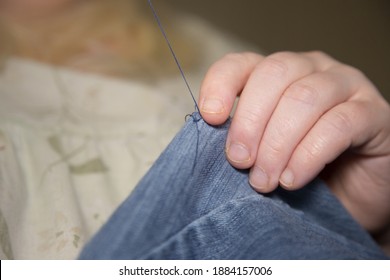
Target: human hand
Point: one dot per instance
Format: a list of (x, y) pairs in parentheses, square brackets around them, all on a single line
[(300, 114)]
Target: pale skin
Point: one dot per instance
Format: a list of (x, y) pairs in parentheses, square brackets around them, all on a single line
[(298, 113)]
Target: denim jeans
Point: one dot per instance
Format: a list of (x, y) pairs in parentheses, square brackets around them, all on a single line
[(193, 204)]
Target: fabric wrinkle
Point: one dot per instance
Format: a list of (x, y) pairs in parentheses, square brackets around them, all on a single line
[(211, 212)]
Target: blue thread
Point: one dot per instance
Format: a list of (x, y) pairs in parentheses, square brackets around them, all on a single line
[(196, 116), (173, 53)]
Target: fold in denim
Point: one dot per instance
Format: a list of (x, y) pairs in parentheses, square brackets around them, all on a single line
[(192, 204)]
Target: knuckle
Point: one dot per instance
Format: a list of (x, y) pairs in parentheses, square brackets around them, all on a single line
[(224, 63), (319, 54), (322, 60), (311, 152), (339, 122), (280, 63), (273, 67), (302, 92), (273, 150), (250, 119), (322, 56)]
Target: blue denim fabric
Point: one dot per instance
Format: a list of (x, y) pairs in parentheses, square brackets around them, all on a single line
[(193, 204)]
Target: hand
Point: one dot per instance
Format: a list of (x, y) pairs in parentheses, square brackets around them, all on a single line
[(300, 114)]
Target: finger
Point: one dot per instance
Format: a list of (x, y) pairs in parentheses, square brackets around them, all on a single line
[(258, 100), (299, 108), (223, 82), (346, 125)]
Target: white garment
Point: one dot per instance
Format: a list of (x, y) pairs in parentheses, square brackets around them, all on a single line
[(73, 146)]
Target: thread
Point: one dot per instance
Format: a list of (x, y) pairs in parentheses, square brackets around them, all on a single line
[(173, 53), (196, 117)]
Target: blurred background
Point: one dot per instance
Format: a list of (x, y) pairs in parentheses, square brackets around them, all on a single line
[(356, 32)]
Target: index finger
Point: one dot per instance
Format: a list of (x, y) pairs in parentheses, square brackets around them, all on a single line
[(223, 83)]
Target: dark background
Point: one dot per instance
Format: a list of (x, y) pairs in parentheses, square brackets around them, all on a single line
[(356, 32)]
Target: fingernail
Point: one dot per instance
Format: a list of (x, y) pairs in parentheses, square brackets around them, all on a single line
[(212, 105), (238, 152), (258, 178), (287, 178)]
